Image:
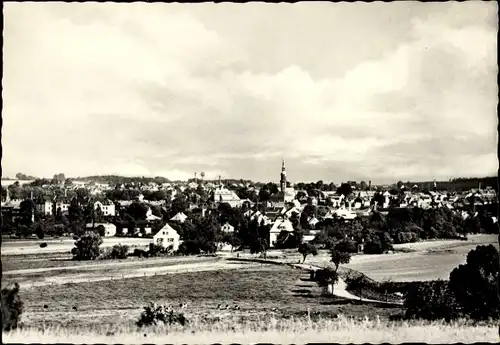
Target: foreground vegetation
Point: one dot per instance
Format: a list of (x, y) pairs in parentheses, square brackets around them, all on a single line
[(269, 330)]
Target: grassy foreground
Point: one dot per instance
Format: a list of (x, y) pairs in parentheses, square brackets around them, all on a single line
[(269, 330)]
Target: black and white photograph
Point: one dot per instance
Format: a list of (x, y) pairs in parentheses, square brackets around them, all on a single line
[(200, 173)]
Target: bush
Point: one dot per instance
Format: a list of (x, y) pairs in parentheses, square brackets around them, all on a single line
[(347, 246), (140, 253), (431, 301), (475, 284), (154, 314), (157, 250), (87, 247), (373, 247), (118, 251), (12, 307)]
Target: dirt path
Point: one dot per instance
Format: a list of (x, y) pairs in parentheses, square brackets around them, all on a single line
[(340, 288)]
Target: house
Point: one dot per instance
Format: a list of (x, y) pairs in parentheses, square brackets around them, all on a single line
[(179, 217), (257, 215), (44, 207), (312, 222), (107, 207), (281, 224), (222, 195), (343, 213), (227, 228), (62, 203), (150, 217), (167, 237), (109, 229)]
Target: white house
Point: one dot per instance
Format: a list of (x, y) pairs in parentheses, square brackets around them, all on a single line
[(109, 229), (227, 228), (150, 216), (63, 204), (279, 225), (166, 237), (107, 207), (44, 207), (223, 195), (179, 217)]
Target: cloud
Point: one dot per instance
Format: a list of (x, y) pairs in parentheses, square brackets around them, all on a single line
[(162, 89)]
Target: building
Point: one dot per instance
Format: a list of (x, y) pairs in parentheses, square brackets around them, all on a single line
[(280, 224), (179, 217), (227, 228), (167, 237), (45, 207), (107, 207), (223, 195), (285, 194), (62, 203), (109, 229)]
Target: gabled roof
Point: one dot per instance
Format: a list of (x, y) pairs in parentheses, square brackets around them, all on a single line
[(179, 217)]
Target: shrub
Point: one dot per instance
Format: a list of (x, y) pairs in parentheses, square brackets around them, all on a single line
[(118, 251), (157, 250), (347, 246), (140, 253), (475, 284), (431, 301), (154, 314), (373, 247), (87, 247), (12, 307)]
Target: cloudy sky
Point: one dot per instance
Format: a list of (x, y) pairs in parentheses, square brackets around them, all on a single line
[(381, 92)]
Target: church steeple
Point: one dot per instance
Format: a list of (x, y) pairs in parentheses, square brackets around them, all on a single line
[(283, 176)]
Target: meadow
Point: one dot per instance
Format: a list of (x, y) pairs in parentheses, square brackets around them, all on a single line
[(256, 290), (106, 310)]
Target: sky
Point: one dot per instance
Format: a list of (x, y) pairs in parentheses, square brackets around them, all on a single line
[(344, 91)]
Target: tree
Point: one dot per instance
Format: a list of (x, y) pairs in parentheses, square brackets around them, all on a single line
[(344, 189), (12, 307), (87, 246), (338, 257), (39, 231), (26, 210), (307, 248), (475, 284), (137, 211), (363, 185), (327, 277)]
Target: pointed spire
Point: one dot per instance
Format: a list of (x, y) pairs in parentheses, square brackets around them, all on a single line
[(283, 164)]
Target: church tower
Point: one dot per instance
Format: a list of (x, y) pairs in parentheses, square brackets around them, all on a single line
[(283, 177)]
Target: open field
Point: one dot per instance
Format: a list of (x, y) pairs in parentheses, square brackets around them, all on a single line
[(256, 289), (63, 245), (429, 261), (93, 273), (270, 330), (26, 267)]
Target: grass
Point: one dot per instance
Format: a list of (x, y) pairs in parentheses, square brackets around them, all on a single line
[(268, 330), (255, 290)]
